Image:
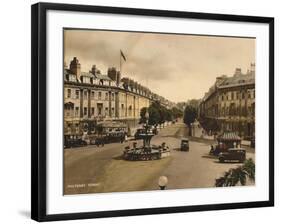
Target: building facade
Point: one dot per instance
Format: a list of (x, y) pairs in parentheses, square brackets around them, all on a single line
[(90, 97), (229, 105)]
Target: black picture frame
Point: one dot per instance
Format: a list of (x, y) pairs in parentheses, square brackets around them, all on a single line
[(39, 108)]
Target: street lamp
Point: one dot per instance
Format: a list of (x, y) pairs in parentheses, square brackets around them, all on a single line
[(146, 115), (162, 182)]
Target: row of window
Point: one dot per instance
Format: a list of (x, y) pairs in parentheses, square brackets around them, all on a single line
[(100, 111), (92, 111), (232, 111), (93, 94), (237, 95)]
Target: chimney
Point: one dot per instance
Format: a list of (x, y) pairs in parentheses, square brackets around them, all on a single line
[(75, 67), (253, 68), (238, 72), (112, 73), (94, 69), (220, 79)]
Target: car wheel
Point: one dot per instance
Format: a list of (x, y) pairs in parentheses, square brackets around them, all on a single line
[(221, 160)]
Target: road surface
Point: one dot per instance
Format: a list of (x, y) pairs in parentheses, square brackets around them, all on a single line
[(93, 169)]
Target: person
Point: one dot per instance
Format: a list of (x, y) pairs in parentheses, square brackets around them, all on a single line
[(125, 137), (212, 149), (134, 145), (122, 138), (163, 146), (102, 141)]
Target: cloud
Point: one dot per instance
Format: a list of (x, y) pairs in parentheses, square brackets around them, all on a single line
[(178, 67)]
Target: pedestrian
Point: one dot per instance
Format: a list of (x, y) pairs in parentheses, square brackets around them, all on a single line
[(102, 141), (212, 150), (122, 138), (125, 137)]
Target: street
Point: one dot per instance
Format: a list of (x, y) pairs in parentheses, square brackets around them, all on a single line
[(93, 169)]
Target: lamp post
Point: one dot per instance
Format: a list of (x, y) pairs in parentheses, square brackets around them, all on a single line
[(146, 116), (146, 141), (162, 182)]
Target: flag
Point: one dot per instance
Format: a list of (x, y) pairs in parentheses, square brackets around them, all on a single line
[(123, 56)]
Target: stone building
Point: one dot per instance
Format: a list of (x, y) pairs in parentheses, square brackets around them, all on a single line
[(229, 105), (90, 97)]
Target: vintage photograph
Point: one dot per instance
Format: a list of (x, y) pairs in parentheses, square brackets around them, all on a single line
[(157, 111)]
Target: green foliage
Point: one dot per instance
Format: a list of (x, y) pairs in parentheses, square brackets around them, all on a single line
[(176, 112), (249, 167), (154, 115), (237, 175), (142, 115), (190, 114), (194, 103), (159, 114)]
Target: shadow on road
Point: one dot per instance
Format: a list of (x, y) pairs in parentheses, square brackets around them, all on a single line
[(232, 162), (207, 156), (120, 157)]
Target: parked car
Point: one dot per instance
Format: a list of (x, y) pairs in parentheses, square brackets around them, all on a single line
[(184, 144), (237, 154), (116, 136), (71, 141)]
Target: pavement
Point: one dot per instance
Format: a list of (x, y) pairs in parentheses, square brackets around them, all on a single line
[(94, 170), (199, 132)]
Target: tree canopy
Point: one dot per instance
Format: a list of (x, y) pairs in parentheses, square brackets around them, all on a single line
[(190, 114), (158, 114)]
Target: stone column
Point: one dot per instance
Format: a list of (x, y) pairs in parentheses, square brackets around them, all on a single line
[(89, 103), (117, 104), (109, 103), (81, 103), (126, 106)]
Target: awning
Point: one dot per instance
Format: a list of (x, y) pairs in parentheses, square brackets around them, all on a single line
[(229, 136)]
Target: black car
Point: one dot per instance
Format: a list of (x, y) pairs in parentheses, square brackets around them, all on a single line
[(184, 144), (237, 154), (71, 141), (139, 132)]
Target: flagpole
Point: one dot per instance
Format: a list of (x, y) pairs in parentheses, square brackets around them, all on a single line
[(120, 62)]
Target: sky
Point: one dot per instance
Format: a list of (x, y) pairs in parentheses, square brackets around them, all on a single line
[(177, 67)]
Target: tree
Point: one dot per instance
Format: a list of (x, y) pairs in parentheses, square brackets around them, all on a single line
[(193, 102), (176, 112), (154, 116), (234, 176), (169, 115), (158, 114), (142, 115), (190, 114)]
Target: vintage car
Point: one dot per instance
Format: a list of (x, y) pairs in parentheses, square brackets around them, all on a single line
[(115, 136), (233, 154), (184, 144), (71, 141), (138, 133), (111, 131)]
